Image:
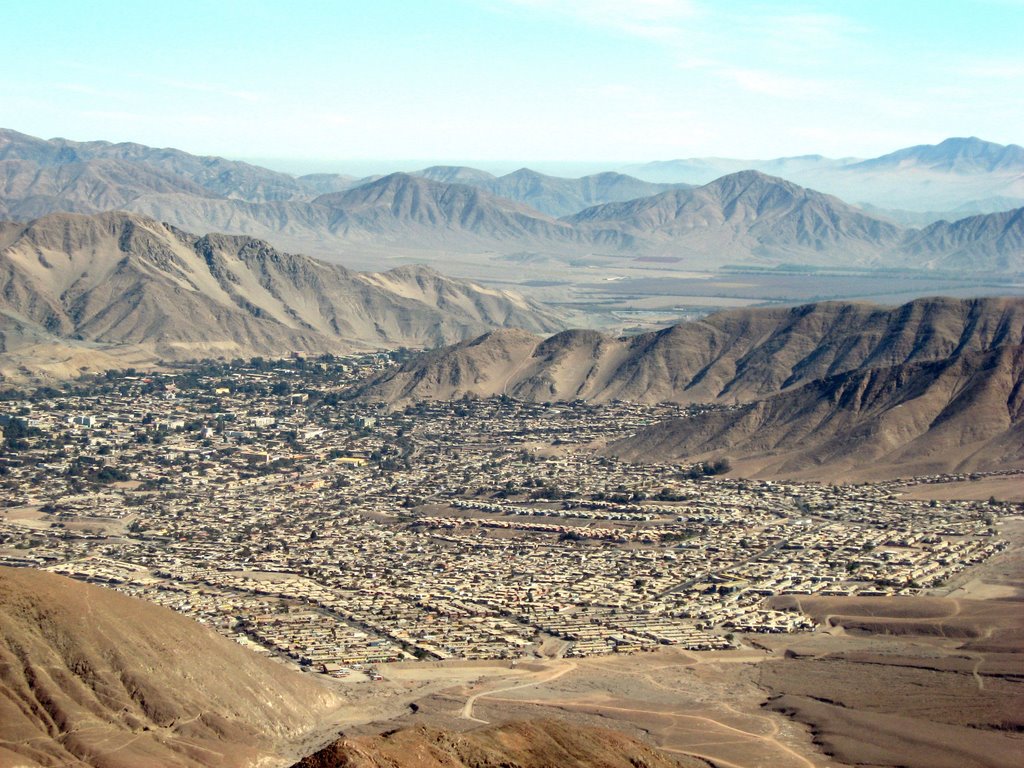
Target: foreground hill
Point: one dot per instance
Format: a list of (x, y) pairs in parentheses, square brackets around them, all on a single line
[(728, 357), (123, 279), (531, 744), (90, 677), (961, 414)]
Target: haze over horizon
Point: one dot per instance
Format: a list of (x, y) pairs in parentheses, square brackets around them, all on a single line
[(501, 83)]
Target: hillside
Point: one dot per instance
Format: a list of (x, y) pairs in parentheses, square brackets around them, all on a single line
[(961, 414), (91, 677), (530, 744), (728, 357), (119, 279)]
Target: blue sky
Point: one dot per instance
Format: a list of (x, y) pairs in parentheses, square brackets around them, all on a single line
[(487, 81)]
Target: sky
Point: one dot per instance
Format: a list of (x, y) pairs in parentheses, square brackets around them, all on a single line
[(320, 85)]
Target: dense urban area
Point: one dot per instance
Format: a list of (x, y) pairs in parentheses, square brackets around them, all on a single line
[(258, 497)]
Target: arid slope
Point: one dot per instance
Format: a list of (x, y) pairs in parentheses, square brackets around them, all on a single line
[(90, 677), (529, 744), (124, 279), (961, 414), (729, 357)]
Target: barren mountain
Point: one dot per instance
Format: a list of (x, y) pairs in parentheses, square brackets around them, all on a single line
[(993, 242), (403, 205), (959, 155), (530, 744), (28, 191), (217, 176), (122, 279), (90, 677), (728, 357), (551, 195), (961, 414), (749, 214), (456, 174)]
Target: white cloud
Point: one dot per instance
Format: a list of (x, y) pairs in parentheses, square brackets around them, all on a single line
[(773, 84), (655, 20)]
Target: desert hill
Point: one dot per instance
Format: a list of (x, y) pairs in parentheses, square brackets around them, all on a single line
[(124, 279), (727, 357), (961, 414), (91, 677), (529, 744)]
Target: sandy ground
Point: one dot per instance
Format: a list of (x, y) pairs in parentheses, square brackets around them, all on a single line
[(705, 705), (1009, 488)]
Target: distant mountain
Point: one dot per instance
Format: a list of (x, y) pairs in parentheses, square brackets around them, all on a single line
[(964, 413), (91, 677), (215, 175), (551, 195), (750, 214), (120, 279), (317, 184), (456, 174), (966, 174), (701, 170), (729, 357), (527, 744), (964, 156), (402, 205)]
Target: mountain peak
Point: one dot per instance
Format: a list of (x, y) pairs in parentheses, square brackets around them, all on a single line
[(459, 174)]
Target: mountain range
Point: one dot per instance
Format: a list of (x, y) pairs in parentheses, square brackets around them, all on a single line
[(116, 280), (745, 216), (820, 390)]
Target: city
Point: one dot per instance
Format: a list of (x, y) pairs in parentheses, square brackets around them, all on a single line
[(258, 498)]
